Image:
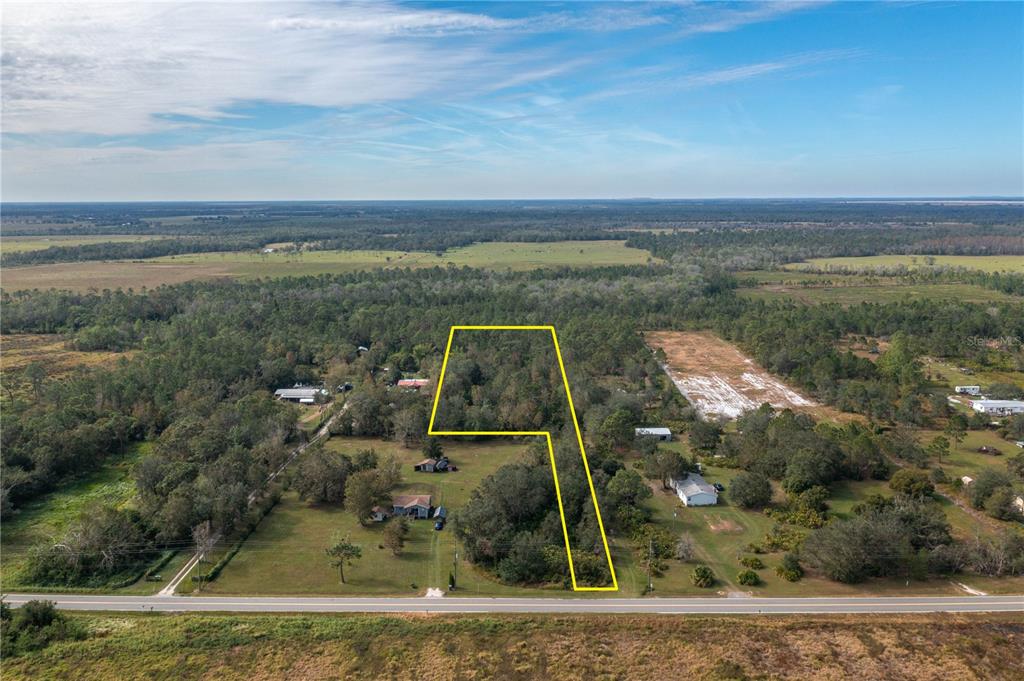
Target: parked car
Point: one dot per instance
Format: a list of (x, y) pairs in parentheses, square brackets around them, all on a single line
[(719, 486), (439, 525)]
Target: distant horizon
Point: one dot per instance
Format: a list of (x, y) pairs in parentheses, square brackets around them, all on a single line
[(965, 198)]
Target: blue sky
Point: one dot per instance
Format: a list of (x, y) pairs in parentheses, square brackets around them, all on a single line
[(387, 100)]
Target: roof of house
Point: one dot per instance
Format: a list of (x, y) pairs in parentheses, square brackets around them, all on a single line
[(694, 484), (653, 431), (999, 403), (410, 500), (413, 382), (427, 462), (380, 509), (296, 393)]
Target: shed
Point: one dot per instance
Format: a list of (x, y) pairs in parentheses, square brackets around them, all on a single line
[(425, 466), (661, 434)]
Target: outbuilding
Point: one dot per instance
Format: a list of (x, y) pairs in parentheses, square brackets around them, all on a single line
[(998, 407), (300, 395), (968, 389), (657, 432)]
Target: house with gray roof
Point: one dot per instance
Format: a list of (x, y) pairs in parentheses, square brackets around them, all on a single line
[(694, 490)]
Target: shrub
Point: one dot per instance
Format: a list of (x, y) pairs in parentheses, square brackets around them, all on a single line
[(752, 562), (750, 490), (790, 569), (748, 578), (913, 483), (34, 626), (702, 576)]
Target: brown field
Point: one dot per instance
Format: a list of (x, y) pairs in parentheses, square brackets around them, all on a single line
[(720, 381), (99, 275), (527, 647), (19, 350)]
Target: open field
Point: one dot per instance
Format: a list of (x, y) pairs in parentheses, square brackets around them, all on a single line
[(19, 244), (248, 265), (987, 263), (944, 371), (526, 647), (19, 350), (720, 381), (851, 289)]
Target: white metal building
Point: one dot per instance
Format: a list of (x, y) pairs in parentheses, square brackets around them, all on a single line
[(998, 407), (662, 434), (968, 389), (300, 395)]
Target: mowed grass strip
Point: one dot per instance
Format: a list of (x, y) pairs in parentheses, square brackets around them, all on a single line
[(250, 265), (987, 263)]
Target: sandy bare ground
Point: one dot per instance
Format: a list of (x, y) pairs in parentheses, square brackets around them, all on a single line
[(720, 381)]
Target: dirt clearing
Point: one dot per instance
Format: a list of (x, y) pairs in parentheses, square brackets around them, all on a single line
[(722, 382)]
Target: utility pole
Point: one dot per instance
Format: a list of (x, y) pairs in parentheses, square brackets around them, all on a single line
[(650, 565)]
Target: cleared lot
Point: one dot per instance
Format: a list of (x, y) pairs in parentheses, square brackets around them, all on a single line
[(720, 381)]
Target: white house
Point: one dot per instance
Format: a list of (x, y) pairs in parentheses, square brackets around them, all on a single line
[(379, 514), (998, 407), (1018, 503), (695, 491), (966, 480), (662, 434), (968, 389)]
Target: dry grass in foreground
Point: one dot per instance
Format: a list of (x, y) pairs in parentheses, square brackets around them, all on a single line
[(552, 648)]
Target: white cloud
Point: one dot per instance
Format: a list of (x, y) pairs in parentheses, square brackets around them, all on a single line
[(114, 69)]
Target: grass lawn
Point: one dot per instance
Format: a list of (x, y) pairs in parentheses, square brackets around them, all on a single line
[(987, 263), (285, 555), (81, 276)]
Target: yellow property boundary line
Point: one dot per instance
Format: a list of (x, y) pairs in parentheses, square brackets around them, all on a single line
[(543, 433)]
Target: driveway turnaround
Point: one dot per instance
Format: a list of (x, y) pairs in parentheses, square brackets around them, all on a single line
[(448, 604)]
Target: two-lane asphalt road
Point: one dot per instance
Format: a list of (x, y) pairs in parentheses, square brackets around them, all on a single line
[(680, 606)]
